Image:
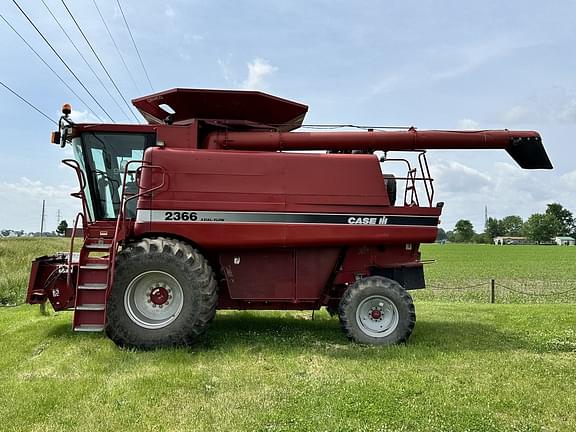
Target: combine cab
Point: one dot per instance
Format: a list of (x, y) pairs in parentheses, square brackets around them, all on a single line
[(215, 204)]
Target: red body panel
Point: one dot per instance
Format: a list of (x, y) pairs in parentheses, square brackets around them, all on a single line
[(275, 182)]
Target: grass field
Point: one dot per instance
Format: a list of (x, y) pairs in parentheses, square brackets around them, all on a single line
[(15, 258), (547, 272), (468, 366)]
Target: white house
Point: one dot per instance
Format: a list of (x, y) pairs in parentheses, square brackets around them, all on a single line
[(564, 241), (502, 240)]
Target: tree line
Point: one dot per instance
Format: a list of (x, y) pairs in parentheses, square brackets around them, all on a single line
[(539, 227), (60, 231)]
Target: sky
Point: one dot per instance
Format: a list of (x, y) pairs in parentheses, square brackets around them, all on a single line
[(429, 64)]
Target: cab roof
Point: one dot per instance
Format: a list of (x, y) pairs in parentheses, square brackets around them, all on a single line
[(221, 105)]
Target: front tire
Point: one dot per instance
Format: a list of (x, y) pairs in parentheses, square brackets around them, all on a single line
[(164, 294), (378, 311)]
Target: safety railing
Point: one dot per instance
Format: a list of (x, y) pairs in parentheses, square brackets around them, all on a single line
[(82, 182), (84, 214), (414, 176), (71, 253), (120, 220)]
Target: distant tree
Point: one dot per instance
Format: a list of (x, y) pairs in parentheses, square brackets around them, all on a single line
[(512, 226), (542, 227), (563, 216), (481, 238), (464, 231), (61, 230), (441, 235), (450, 236), (494, 228)]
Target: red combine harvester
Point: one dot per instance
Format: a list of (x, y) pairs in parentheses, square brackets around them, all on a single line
[(214, 204)]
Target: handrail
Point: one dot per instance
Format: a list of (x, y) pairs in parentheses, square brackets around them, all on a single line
[(124, 200), (72, 163), (425, 170), (412, 177), (70, 255), (412, 188), (122, 210)]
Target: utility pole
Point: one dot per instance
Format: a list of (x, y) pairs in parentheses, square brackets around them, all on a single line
[(58, 217), (43, 215), (485, 215)]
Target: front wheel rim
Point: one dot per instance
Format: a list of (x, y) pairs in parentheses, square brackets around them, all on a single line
[(377, 316), (153, 299)]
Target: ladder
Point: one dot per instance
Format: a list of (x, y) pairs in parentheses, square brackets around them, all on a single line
[(92, 286), (95, 267)]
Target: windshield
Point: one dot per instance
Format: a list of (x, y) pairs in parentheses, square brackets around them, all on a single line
[(103, 157)]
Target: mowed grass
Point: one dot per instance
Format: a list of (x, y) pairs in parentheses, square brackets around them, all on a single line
[(467, 367)]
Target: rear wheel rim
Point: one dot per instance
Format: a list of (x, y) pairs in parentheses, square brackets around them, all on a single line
[(377, 316), (153, 299)]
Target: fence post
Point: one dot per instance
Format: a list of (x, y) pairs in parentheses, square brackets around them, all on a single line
[(492, 291)]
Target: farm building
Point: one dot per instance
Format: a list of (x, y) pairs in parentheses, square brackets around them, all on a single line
[(502, 240), (564, 241)]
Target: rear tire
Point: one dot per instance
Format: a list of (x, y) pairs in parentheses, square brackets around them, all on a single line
[(376, 310), (164, 294)]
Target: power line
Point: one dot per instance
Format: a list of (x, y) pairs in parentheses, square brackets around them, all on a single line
[(29, 103), (49, 67), (62, 60), (82, 57), (134, 43), (116, 46), (100, 61)]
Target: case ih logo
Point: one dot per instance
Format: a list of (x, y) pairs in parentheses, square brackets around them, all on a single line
[(380, 220)]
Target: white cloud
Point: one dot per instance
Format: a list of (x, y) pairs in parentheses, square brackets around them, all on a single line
[(468, 124), (503, 187), (83, 117), (169, 12), (197, 38), (258, 71), (521, 114), (569, 180), (454, 177), (471, 56), (224, 65), (549, 106), (385, 85), (36, 188), (445, 62), (22, 204)]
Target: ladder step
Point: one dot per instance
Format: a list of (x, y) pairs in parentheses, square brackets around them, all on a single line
[(90, 307), (94, 267), (92, 286), (98, 246), (89, 328)]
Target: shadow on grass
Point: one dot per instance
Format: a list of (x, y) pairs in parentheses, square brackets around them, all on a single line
[(250, 330), (64, 331), (289, 333)]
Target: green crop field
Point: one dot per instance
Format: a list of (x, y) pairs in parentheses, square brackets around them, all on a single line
[(522, 273), (468, 366)]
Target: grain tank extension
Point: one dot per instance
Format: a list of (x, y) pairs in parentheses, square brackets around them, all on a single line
[(216, 203)]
